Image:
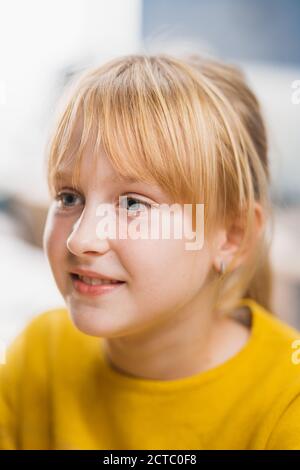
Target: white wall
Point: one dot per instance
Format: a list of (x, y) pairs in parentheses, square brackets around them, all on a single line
[(37, 39)]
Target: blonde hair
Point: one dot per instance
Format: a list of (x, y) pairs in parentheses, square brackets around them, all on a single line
[(191, 125)]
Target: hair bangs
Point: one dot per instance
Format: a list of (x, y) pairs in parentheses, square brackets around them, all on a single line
[(143, 122)]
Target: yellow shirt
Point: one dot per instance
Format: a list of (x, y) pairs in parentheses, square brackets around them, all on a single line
[(57, 391)]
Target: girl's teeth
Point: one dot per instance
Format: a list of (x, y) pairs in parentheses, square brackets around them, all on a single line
[(94, 281)]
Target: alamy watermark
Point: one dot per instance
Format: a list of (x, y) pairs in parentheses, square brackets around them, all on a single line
[(170, 220), (2, 352), (295, 98), (296, 354)]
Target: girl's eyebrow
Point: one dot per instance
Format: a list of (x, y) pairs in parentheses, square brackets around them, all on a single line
[(125, 180), (67, 175)]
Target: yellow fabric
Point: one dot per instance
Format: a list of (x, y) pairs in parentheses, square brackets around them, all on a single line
[(57, 391)]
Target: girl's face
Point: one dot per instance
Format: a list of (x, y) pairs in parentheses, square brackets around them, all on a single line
[(161, 277)]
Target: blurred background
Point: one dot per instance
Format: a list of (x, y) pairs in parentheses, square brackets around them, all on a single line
[(44, 43)]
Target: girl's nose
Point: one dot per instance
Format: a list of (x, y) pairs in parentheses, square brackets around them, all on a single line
[(85, 238)]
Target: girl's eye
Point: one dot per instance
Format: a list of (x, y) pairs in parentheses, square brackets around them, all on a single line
[(66, 199), (133, 204)]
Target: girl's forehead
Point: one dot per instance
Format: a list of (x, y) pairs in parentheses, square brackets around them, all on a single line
[(68, 174), (93, 165), (116, 180), (85, 161)]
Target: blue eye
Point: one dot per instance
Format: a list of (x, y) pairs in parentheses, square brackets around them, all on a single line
[(134, 204), (65, 199)]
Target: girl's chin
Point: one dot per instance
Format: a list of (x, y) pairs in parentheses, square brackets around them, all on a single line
[(93, 322)]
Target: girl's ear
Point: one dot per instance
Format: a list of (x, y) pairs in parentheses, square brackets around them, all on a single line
[(230, 240)]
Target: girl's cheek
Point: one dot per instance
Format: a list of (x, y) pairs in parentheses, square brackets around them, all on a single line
[(55, 234)]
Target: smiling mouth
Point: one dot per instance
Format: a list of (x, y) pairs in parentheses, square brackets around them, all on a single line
[(95, 281), (89, 286)]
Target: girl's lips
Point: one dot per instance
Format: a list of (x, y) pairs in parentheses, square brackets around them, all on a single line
[(87, 289)]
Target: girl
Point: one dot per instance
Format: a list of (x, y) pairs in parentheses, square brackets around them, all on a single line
[(157, 346)]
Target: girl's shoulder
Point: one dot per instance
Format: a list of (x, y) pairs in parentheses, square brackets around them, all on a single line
[(276, 366), (274, 344), (266, 324)]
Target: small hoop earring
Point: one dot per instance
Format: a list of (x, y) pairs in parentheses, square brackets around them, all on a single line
[(222, 267)]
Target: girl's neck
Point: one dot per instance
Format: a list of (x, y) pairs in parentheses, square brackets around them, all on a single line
[(182, 348)]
